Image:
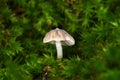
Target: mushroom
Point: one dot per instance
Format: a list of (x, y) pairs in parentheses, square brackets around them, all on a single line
[(59, 37)]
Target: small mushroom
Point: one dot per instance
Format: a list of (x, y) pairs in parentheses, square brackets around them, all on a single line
[(59, 37)]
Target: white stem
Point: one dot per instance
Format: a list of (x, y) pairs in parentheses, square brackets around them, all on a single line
[(59, 50)]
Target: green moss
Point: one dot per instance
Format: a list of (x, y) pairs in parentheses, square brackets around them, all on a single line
[(94, 24)]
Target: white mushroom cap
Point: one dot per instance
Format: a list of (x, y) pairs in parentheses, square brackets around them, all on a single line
[(59, 35)]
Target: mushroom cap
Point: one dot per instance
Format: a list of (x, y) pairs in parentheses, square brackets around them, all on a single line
[(59, 35)]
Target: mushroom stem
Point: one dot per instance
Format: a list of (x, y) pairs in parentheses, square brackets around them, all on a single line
[(59, 50)]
